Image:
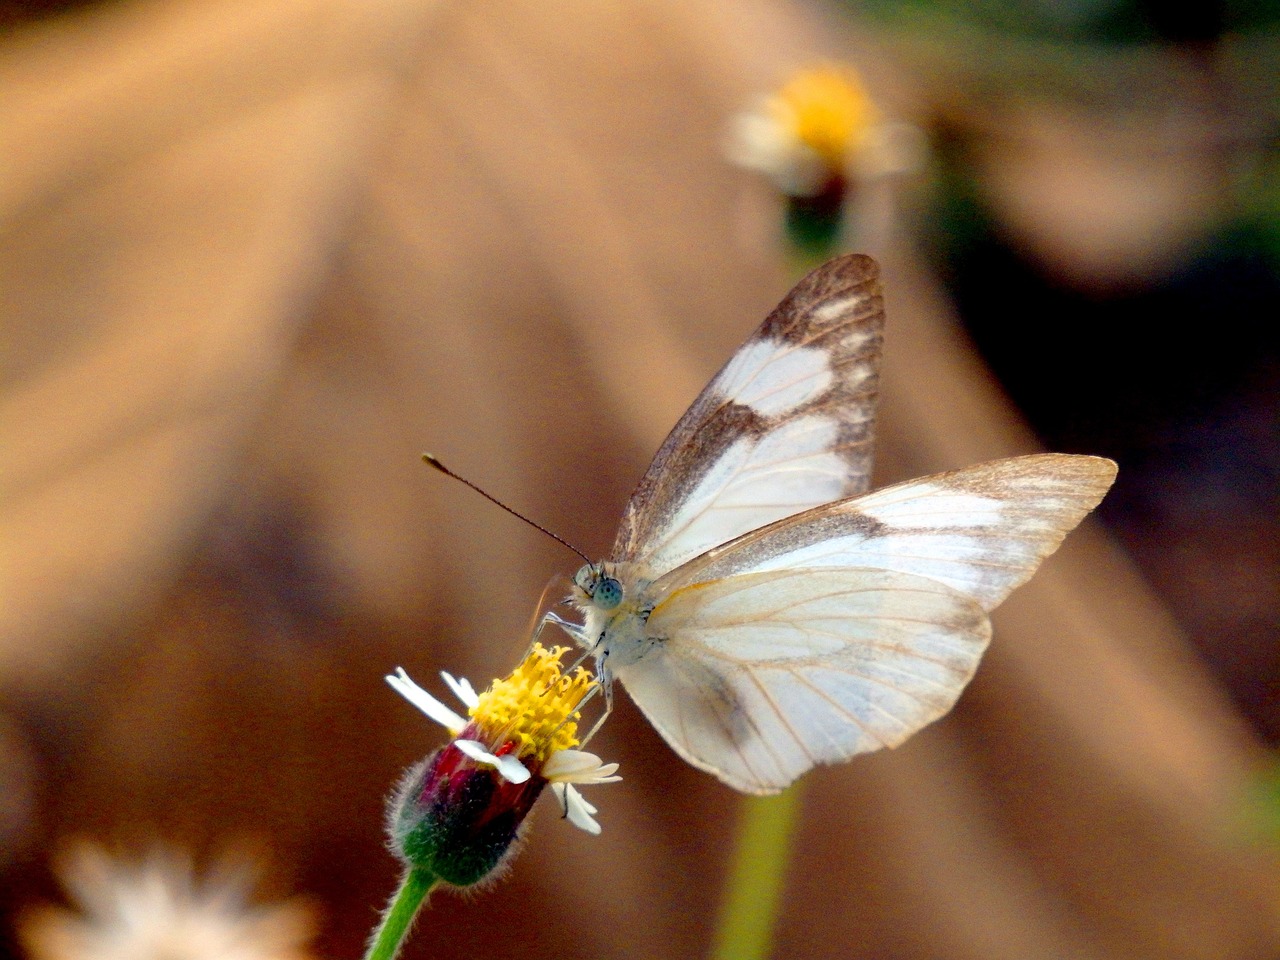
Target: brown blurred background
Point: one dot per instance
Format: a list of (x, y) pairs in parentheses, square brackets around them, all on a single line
[(258, 254)]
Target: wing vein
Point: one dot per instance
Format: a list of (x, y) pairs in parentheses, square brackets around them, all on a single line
[(842, 709), (782, 718)]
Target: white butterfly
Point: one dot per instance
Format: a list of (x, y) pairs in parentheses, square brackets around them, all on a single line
[(764, 616)]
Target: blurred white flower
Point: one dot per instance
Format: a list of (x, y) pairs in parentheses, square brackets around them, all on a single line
[(156, 910)]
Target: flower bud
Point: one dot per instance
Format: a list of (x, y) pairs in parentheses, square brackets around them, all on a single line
[(458, 818)]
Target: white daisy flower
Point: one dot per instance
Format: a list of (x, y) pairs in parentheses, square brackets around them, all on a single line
[(524, 727)]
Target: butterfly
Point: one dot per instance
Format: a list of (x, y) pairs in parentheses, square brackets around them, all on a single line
[(767, 614)]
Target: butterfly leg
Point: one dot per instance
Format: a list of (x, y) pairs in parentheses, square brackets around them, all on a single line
[(574, 630), (536, 625), (568, 626), (604, 684), (604, 678)]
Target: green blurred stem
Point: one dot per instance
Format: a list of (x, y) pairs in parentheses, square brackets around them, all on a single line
[(814, 227), (753, 893), (391, 933)]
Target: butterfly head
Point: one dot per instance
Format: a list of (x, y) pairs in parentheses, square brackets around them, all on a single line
[(595, 586)]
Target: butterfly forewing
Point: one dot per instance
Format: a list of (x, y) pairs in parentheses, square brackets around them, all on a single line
[(981, 531), (762, 676), (785, 426)]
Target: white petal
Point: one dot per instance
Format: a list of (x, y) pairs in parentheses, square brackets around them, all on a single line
[(509, 768), (579, 799), (425, 702), (578, 766), (606, 774), (561, 791), (462, 689), (579, 811), (756, 141)]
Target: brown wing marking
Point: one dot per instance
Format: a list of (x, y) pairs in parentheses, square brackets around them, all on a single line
[(839, 308)]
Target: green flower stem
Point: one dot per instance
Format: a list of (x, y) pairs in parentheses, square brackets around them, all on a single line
[(814, 228), (390, 935), (753, 892)]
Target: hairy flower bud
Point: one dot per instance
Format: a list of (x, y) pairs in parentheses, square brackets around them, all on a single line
[(457, 818)]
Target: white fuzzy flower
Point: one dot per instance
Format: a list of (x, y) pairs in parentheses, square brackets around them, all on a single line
[(155, 910)]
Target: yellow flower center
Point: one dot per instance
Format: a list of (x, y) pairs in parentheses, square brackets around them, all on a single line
[(826, 109), (536, 707)]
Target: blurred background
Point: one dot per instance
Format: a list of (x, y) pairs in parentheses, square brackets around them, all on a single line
[(258, 254)]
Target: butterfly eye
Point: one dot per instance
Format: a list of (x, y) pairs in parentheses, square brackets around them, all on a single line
[(608, 593)]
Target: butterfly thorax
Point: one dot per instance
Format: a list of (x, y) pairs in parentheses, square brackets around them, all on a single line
[(615, 609)]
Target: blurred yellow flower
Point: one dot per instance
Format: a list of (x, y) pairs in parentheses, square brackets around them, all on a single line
[(827, 110), (819, 130)]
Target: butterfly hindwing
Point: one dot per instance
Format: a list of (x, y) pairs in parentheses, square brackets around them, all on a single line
[(850, 626), (785, 426), (762, 676)]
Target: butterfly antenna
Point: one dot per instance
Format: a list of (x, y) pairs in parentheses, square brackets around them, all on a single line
[(430, 459)]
